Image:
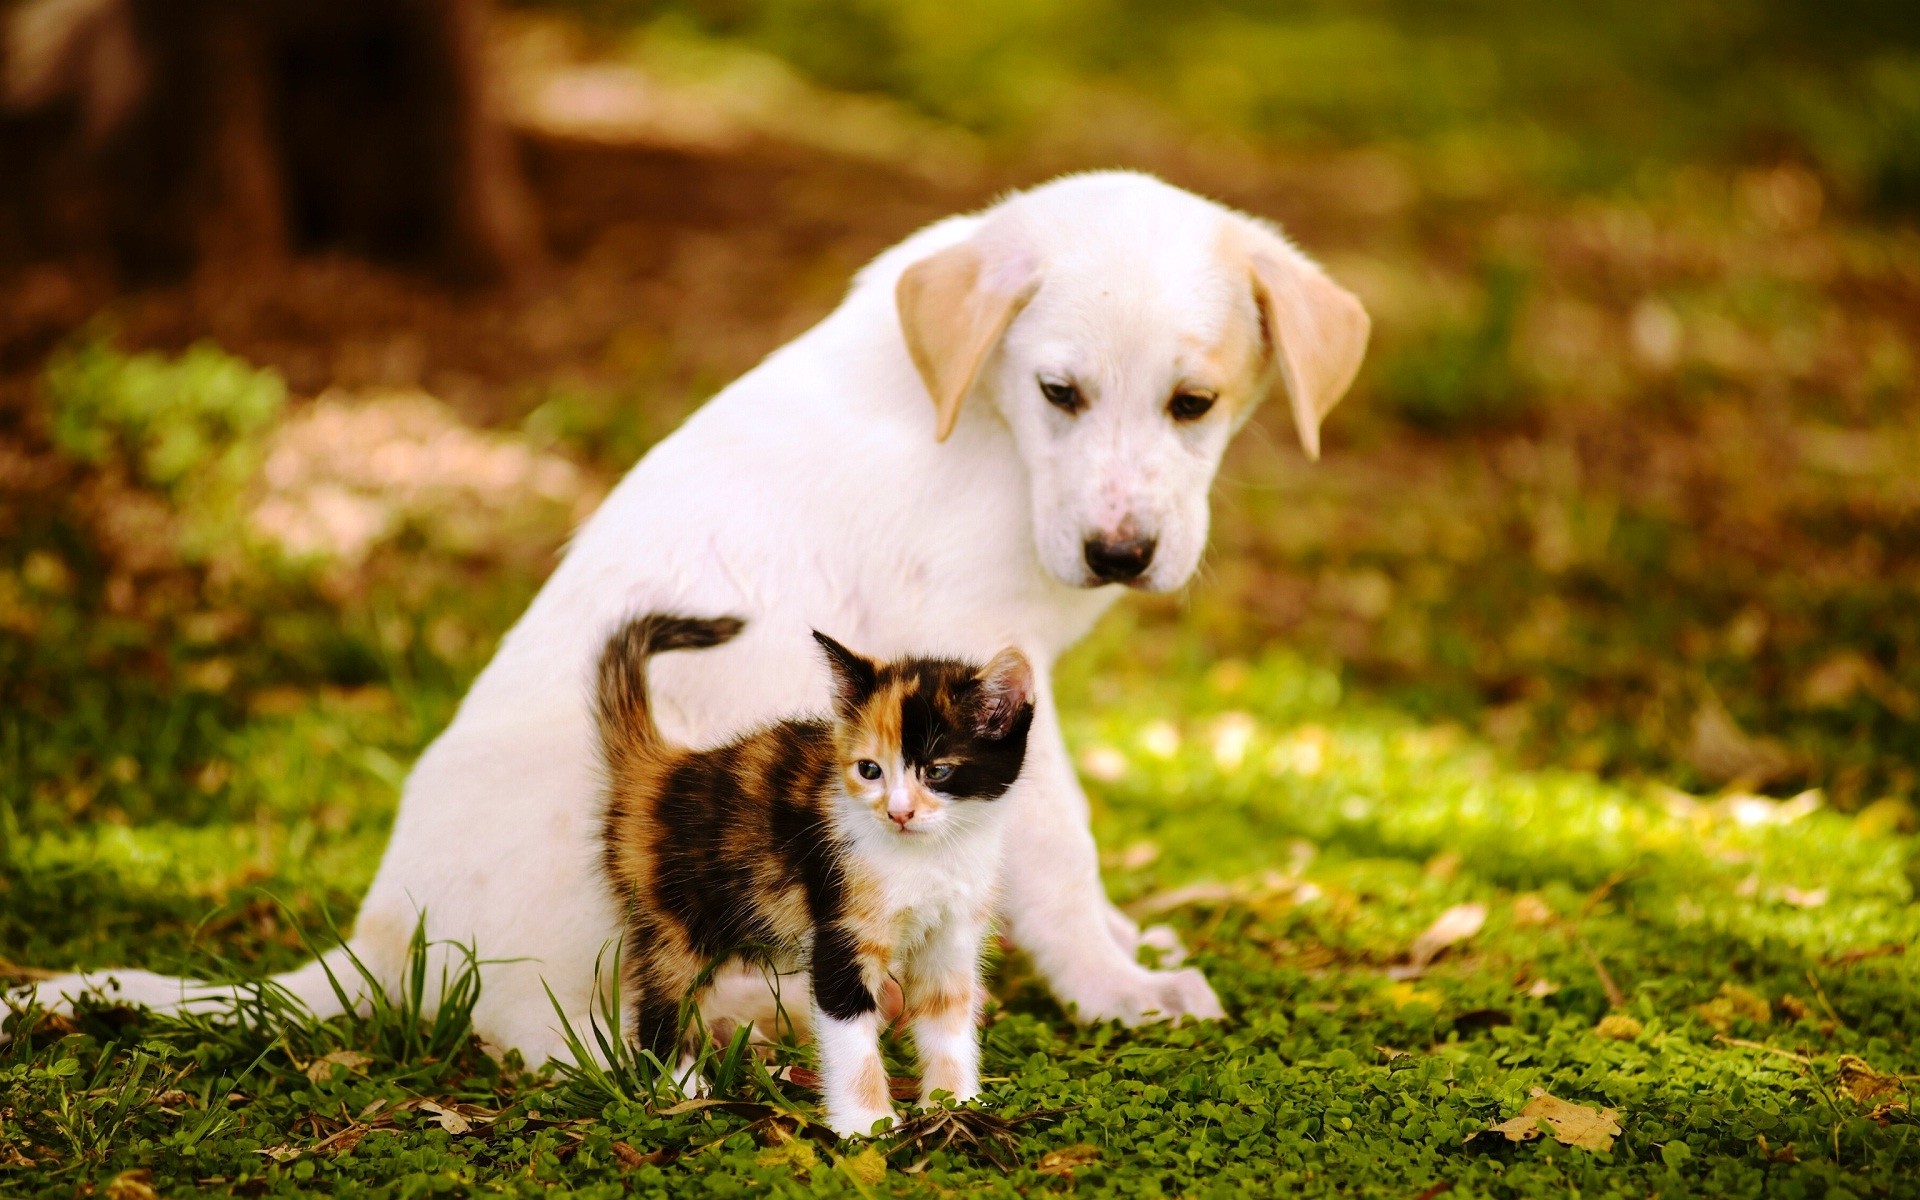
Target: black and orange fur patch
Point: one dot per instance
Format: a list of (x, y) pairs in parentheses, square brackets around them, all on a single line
[(733, 852)]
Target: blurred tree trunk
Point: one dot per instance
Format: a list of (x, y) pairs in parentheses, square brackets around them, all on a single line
[(182, 136)]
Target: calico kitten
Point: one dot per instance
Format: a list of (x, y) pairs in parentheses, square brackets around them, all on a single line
[(858, 847)]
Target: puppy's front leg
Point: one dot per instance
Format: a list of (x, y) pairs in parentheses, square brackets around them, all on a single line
[(1056, 907), (846, 1035), (943, 1003)]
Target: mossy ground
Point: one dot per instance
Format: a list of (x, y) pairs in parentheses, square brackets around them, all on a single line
[(1299, 837)]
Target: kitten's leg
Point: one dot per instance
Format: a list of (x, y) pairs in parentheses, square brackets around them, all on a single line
[(943, 1003), (846, 1034), (662, 977), (853, 1079)]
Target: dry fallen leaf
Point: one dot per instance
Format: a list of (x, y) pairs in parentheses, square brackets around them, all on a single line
[(344, 1141), (1066, 1160), (1450, 928), (1161, 903), (132, 1185), (1570, 1124), (458, 1119), (1883, 1114), (1859, 1082), (1733, 1002), (447, 1118), (628, 1158), (1836, 681), (320, 1070), (1720, 750)]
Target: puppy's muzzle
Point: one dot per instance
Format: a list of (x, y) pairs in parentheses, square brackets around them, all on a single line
[(1119, 560)]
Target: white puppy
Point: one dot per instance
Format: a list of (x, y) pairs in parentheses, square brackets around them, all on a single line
[(1089, 346)]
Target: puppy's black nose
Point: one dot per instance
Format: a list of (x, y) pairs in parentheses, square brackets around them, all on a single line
[(1116, 560)]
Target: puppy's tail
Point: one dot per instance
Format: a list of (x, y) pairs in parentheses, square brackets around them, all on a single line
[(628, 736)]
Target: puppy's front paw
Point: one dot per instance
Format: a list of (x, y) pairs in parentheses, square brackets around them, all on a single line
[(1130, 937), (1140, 997), (1187, 996), (1165, 942)]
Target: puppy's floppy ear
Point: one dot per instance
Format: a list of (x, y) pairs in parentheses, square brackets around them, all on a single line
[(1006, 694), (953, 306), (1315, 331), (854, 677)]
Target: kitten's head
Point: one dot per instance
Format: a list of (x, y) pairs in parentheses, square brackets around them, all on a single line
[(920, 739)]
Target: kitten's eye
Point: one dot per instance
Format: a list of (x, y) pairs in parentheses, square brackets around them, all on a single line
[(939, 772), (868, 768), (1063, 396), (1189, 406)]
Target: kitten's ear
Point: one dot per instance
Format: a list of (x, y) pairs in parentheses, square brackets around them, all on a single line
[(1006, 693), (854, 677)]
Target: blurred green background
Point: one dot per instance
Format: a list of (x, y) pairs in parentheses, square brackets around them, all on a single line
[(1570, 97)]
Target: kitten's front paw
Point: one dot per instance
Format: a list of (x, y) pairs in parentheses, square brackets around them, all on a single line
[(858, 1122), (956, 1077)]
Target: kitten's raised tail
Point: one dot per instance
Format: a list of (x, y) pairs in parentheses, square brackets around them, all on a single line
[(627, 731)]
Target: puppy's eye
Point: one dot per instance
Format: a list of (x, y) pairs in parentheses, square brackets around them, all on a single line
[(868, 768), (1063, 396), (1189, 406), (939, 772)]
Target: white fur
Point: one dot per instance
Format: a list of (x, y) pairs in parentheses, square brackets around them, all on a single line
[(849, 1051), (1120, 314), (934, 888), (812, 493), (948, 1042)]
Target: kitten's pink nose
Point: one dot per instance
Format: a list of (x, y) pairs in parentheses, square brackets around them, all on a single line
[(900, 816)]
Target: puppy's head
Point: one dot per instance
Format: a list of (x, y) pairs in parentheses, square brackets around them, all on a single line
[(1125, 330)]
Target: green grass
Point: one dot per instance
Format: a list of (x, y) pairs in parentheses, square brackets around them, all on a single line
[(1335, 831)]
